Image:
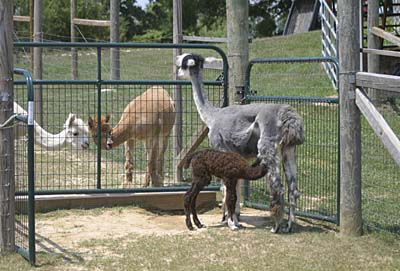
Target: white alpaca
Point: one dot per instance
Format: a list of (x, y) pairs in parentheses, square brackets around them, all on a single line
[(75, 133)]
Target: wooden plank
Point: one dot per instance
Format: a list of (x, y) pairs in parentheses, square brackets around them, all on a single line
[(214, 64), (194, 143), (91, 22), (385, 35), (168, 201), (381, 52), (18, 18), (378, 81), (379, 125), (204, 39)]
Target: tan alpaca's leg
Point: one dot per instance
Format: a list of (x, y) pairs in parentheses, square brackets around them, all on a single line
[(129, 145), (163, 145), (151, 169)]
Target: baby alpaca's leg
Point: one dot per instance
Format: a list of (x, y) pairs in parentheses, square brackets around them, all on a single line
[(187, 202), (198, 183)]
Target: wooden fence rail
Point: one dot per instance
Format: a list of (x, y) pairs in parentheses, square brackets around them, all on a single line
[(378, 81), (379, 125), (385, 35)]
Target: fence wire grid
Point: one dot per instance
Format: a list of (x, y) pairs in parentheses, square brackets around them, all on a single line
[(380, 176), (69, 168), (303, 84)]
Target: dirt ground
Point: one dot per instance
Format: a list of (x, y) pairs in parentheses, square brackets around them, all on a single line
[(70, 228)]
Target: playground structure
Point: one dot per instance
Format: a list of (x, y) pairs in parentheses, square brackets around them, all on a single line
[(303, 17)]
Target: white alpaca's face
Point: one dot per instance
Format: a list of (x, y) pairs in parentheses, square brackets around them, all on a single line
[(77, 132)]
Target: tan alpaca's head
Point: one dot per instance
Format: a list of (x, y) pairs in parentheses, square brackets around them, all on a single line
[(105, 131)]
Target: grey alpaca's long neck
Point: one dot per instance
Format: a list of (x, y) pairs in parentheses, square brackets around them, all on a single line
[(206, 110)]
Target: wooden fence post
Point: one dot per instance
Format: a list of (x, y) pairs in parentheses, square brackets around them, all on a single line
[(177, 93), (74, 51), (114, 37), (37, 58), (374, 42), (7, 185), (237, 14), (350, 126)]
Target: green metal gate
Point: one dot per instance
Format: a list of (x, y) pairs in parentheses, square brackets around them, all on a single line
[(303, 84), (24, 180), (72, 171)]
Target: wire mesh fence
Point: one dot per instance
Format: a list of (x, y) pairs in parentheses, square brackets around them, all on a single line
[(302, 83), (380, 176), (62, 166)]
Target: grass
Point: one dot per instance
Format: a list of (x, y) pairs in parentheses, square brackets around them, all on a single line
[(315, 245)]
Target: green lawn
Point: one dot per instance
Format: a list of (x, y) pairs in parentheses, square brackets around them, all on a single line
[(313, 246)]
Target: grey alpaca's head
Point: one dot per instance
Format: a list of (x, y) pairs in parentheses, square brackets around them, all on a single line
[(187, 63)]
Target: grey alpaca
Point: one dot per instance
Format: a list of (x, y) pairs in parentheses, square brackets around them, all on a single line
[(228, 166), (253, 130)]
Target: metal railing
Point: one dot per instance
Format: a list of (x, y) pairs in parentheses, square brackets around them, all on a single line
[(329, 40)]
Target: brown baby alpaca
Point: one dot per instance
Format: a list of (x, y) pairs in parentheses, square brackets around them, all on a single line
[(228, 166)]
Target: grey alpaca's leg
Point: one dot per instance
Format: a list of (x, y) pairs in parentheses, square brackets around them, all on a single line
[(290, 167), (237, 203), (231, 199), (128, 163), (223, 205), (277, 201), (268, 152)]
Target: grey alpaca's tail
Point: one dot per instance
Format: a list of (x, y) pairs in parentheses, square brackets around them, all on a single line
[(292, 127)]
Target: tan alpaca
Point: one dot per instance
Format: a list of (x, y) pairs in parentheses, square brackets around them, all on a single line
[(149, 117)]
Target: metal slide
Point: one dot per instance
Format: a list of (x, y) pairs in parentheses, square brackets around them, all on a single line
[(302, 16)]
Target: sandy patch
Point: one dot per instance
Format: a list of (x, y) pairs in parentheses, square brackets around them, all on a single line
[(70, 229)]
